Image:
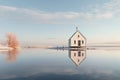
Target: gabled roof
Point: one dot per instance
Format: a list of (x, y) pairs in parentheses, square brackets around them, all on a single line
[(80, 33), (79, 62)]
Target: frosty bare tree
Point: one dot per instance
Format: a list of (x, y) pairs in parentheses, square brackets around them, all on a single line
[(12, 41)]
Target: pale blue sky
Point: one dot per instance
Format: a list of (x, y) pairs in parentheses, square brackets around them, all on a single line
[(52, 22)]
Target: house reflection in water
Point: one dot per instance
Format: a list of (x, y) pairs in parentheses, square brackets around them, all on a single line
[(77, 56), (12, 55)]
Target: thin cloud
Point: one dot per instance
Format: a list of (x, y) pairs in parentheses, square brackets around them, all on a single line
[(7, 8), (36, 15), (7, 76), (106, 15), (107, 11)]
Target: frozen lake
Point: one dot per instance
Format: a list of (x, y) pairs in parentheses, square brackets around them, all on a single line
[(50, 64)]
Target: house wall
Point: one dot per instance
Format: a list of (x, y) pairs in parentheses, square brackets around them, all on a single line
[(76, 38), (77, 56)]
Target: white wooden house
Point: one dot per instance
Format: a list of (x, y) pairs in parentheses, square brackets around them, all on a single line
[(77, 56), (77, 40)]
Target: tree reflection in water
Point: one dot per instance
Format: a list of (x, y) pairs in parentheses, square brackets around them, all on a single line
[(12, 55)]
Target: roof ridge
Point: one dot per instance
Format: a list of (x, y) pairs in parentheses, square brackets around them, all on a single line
[(76, 32)]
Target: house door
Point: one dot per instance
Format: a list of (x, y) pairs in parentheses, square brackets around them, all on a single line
[(79, 43)]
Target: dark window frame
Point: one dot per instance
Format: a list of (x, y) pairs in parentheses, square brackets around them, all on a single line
[(74, 54), (82, 54), (82, 41), (79, 54), (78, 60), (74, 41)]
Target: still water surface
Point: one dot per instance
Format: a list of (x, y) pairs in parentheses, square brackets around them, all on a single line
[(48, 64)]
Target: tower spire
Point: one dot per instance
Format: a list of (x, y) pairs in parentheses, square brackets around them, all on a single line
[(76, 28)]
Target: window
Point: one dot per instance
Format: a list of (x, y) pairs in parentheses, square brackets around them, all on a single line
[(79, 53), (79, 43), (74, 54), (74, 41), (82, 42), (82, 54), (78, 60)]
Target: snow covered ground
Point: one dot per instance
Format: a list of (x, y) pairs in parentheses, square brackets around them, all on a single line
[(4, 48)]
